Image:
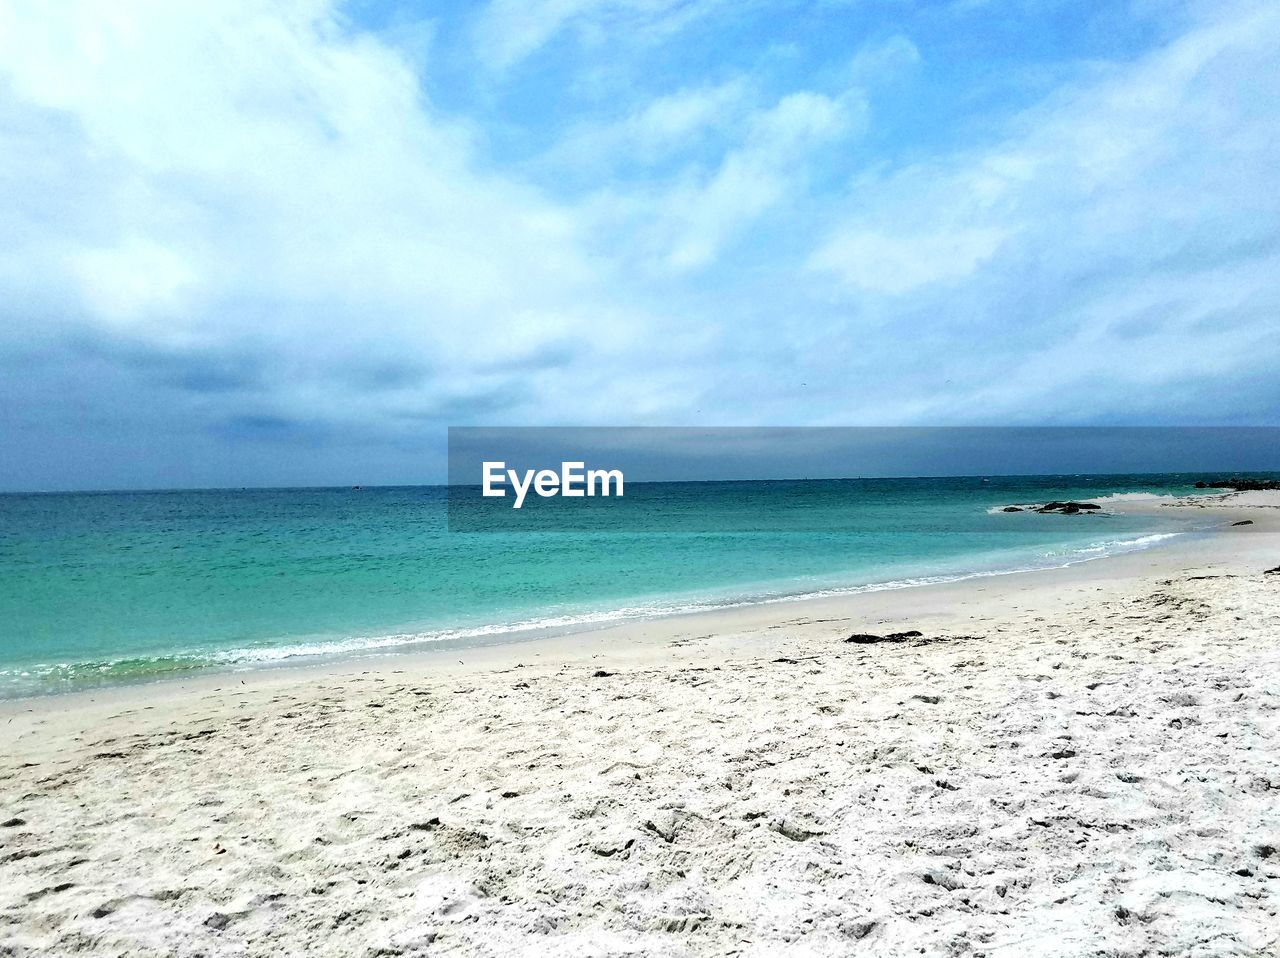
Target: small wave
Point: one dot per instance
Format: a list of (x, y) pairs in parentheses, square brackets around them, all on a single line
[(1136, 497), (1117, 546), (1060, 559)]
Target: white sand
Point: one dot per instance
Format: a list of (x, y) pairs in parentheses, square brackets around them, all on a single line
[(1077, 762)]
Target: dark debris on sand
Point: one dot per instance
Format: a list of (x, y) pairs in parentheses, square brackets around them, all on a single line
[(868, 638)]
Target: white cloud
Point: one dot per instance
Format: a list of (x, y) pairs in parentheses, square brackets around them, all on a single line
[(663, 126), (884, 59), (703, 217), (1119, 240), (133, 282), (686, 224), (896, 264), (245, 173), (509, 31)]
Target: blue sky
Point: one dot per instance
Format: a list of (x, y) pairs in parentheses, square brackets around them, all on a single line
[(291, 242)]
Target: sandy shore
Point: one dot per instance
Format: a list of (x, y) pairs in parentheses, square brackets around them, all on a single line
[(1084, 761)]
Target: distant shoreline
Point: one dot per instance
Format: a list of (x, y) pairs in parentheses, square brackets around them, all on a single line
[(1216, 476)]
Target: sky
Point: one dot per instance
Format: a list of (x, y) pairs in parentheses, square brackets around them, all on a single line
[(291, 242)]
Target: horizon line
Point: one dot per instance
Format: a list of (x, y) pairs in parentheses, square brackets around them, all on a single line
[(360, 487)]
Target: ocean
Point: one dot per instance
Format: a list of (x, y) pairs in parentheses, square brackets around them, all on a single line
[(125, 586)]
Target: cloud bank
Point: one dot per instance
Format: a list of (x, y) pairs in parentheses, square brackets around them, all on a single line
[(259, 243)]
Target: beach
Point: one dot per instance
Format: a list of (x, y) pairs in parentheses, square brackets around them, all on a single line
[(1074, 761)]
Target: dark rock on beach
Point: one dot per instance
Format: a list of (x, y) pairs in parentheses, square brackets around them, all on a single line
[(869, 638), (1012, 509)]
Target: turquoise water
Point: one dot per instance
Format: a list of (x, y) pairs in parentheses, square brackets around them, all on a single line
[(99, 587)]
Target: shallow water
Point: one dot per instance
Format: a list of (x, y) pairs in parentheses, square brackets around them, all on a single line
[(101, 587)]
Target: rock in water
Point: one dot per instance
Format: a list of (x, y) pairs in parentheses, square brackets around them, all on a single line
[(1069, 508), (1241, 485)]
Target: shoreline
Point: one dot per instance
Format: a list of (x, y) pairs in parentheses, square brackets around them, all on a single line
[(502, 636), (614, 639)]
